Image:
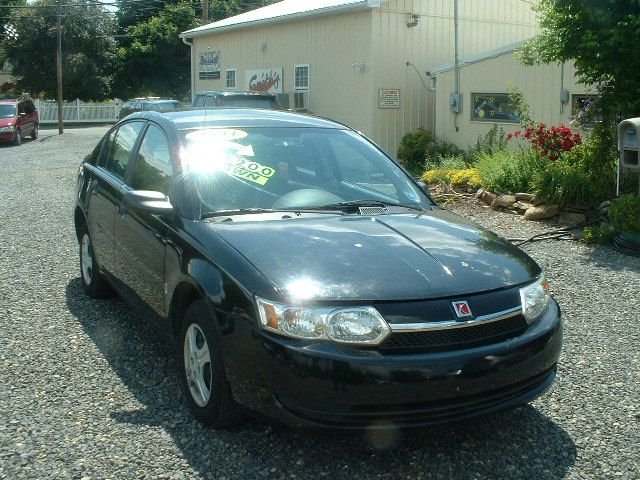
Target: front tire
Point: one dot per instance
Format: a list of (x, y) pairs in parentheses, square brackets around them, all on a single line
[(18, 140), (203, 373), (93, 281), (34, 132)]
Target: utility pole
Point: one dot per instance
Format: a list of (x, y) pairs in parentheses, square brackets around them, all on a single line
[(59, 65), (205, 12)]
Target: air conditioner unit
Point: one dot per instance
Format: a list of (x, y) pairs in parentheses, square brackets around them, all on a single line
[(295, 101)]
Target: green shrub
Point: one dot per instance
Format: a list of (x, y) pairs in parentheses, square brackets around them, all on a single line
[(508, 171), (457, 162), (625, 213), (597, 235), (582, 177), (493, 142), (414, 148)]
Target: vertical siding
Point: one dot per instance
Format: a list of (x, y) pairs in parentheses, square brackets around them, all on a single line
[(329, 44), (484, 25), (541, 86)]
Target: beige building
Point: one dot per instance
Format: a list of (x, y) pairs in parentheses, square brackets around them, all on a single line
[(551, 91), (5, 75), (361, 62)]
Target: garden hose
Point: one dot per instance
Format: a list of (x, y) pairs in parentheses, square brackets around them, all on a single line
[(627, 244), (558, 234)]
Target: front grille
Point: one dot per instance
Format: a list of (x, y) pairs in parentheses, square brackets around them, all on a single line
[(456, 338)]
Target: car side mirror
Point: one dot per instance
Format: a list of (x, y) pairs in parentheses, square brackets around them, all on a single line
[(148, 201)]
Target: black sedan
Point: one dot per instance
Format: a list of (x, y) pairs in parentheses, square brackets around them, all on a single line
[(303, 273)]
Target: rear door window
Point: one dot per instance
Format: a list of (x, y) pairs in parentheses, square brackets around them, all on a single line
[(118, 148)]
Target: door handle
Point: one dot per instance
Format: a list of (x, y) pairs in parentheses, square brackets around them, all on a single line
[(123, 212), (94, 190)]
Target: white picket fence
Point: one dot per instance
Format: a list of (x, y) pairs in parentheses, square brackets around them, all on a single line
[(78, 111)]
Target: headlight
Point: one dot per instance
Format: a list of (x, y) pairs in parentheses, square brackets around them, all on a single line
[(535, 298), (353, 325), (10, 128)]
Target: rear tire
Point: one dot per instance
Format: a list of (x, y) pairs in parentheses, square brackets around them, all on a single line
[(18, 140), (203, 373), (34, 133), (93, 281)]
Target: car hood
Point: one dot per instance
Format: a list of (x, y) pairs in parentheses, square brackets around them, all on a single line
[(387, 257), (5, 122)]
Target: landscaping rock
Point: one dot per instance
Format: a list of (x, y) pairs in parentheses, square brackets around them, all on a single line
[(541, 212), (536, 202), (521, 207), (524, 197), (486, 197), (569, 218), (504, 201)]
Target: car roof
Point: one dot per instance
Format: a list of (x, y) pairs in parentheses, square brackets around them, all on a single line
[(236, 94), (8, 100), (164, 100), (237, 117)]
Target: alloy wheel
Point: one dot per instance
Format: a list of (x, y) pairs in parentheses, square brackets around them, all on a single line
[(87, 259), (197, 365)]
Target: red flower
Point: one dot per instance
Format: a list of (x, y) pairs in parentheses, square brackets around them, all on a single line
[(543, 153), (553, 157), (518, 132), (510, 136), (567, 145)]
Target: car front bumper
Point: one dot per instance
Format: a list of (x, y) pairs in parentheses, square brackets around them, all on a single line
[(329, 385), (7, 136)]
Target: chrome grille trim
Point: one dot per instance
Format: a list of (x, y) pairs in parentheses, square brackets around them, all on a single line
[(449, 324)]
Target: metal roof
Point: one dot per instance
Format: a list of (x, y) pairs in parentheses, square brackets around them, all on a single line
[(476, 58), (284, 11)]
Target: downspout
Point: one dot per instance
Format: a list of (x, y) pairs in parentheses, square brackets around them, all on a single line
[(456, 22), (193, 61)]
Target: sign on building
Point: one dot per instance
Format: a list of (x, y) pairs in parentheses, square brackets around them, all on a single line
[(265, 80), (388, 98), (210, 65)]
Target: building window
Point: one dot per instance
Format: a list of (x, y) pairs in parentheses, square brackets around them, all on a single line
[(493, 107), (301, 77), (583, 109), (231, 79)]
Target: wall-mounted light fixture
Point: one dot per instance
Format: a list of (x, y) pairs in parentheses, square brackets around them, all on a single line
[(414, 18), (358, 66)]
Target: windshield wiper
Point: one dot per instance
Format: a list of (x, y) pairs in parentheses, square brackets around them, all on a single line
[(368, 203), (239, 211)]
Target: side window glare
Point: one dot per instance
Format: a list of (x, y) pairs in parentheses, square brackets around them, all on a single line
[(152, 169), (119, 146)]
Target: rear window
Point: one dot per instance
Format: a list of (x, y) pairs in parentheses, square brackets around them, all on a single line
[(249, 102)]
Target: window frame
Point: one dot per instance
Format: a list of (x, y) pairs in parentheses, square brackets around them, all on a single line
[(494, 120), (104, 152), (235, 79), (297, 88)]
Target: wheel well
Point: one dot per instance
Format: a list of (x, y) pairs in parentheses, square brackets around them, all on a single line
[(183, 296), (79, 221)]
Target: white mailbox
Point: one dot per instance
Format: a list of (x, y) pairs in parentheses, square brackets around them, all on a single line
[(629, 144)]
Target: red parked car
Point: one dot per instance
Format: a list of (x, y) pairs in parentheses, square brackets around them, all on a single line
[(18, 118)]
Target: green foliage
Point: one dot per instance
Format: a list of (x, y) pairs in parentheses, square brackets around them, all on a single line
[(507, 171), (493, 142), (414, 148), (596, 35), (521, 107), (157, 61), (598, 235), (5, 17), (625, 213), (450, 162), (88, 50)]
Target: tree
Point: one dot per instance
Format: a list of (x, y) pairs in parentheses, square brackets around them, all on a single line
[(157, 61), (88, 49), (598, 36)]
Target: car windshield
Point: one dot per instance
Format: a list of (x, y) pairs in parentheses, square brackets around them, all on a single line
[(245, 169), (248, 102), (7, 111)]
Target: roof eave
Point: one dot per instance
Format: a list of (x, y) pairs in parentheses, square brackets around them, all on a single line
[(432, 72), (361, 6)]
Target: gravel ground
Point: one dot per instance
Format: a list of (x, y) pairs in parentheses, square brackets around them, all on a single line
[(89, 391)]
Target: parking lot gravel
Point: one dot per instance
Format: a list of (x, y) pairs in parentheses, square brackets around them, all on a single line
[(88, 390)]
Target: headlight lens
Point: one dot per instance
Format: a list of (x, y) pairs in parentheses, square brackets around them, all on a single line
[(10, 128), (535, 298), (353, 325)]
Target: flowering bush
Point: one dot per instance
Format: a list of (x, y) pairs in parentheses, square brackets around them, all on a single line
[(549, 142)]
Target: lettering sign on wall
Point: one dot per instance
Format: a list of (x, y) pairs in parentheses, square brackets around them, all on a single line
[(210, 65), (388, 98), (265, 80)]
